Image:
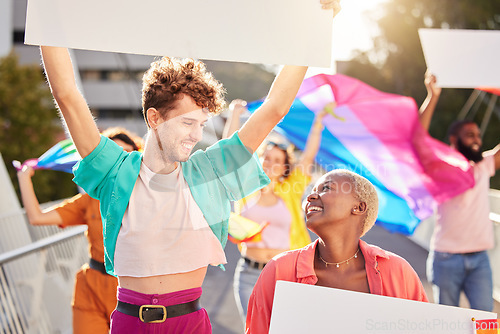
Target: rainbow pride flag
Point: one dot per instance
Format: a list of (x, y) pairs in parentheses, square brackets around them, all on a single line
[(378, 135), (62, 157), (242, 229)]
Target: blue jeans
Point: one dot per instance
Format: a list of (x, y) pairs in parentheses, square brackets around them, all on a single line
[(245, 278), (451, 273)]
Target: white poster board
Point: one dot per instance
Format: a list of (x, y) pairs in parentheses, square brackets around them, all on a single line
[(462, 58), (294, 32), (5, 27), (301, 308)]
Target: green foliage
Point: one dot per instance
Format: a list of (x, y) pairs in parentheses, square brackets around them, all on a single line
[(29, 125), (396, 63)]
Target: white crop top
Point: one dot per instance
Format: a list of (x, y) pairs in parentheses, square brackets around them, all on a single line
[(163, 230)]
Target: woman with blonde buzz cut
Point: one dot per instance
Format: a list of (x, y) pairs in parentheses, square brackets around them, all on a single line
[(341, 208)]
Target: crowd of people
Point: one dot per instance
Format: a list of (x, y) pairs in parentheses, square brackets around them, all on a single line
[(159, 217)]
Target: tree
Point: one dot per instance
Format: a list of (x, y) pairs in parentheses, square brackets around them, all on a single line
[(396, 63), (29, 125)]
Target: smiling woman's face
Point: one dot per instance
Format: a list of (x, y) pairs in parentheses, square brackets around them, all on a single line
[(273, 162), (331, 200)]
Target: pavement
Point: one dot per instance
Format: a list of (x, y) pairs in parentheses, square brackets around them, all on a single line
[(218, 298)]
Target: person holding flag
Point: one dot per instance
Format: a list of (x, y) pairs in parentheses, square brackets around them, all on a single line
[(458, 259), (94, 295)]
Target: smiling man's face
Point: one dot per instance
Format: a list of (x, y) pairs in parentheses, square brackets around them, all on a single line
[(469, 143), (182, 130)]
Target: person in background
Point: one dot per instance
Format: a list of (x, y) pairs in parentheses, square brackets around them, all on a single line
[(94, 294), (341, 208), (278, 204), (458, 258)]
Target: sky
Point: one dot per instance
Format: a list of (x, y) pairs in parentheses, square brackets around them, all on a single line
[(351, 30)]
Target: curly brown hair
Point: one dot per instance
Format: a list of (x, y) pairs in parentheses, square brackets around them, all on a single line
[(168, 79)]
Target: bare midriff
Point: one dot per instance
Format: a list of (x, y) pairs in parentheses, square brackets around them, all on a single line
[(261, 254), (162, 284)]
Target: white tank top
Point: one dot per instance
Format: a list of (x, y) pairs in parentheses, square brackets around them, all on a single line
[(163, 230), (277, 234)]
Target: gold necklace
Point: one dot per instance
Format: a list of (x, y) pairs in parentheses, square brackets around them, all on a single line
[(337, 264)]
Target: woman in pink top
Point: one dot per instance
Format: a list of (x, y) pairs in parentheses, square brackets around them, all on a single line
[(342, 207), (278, 204)]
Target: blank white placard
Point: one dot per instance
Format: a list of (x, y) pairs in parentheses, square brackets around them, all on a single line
[(301, 308), (292, 32), (462, 58)]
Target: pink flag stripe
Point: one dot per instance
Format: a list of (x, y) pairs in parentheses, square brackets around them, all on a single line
[(383, 131)]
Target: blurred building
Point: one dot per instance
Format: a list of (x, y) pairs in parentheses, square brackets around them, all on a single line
[(110, 82)]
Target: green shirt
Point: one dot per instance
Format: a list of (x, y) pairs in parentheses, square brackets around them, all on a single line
[(224, 172)]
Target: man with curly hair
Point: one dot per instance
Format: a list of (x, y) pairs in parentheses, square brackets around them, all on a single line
[(165, 211)]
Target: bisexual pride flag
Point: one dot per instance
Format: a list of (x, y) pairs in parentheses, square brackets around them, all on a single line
[(379, 136)]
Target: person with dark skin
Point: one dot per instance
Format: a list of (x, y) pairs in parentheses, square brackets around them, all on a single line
[(458, 259), (341, 208)]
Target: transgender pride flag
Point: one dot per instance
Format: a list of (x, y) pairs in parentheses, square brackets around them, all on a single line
[(378, 135)]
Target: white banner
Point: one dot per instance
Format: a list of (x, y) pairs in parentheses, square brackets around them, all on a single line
[(302, 308), (462, 58), (293, 32)]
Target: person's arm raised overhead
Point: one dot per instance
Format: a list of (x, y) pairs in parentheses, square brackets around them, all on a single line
[(236, 108), (280, 98), (314, 140), (275, 107), (74, 109), (31, 205), (429, 105), (496, 155)]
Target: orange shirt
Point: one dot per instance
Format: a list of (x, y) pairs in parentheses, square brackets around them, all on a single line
[(388, 275), (84, 210)]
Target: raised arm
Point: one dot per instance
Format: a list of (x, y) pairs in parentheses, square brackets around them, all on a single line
[(429, 105), (496, 154), (313, 140), (35, 215), (236, 108), (274, 108), (280, 98), (79, 120)]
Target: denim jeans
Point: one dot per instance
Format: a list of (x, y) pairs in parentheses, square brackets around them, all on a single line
[(245, 278), (451, 273)]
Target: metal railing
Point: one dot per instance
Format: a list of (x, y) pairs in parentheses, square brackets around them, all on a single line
[(37, 267)]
